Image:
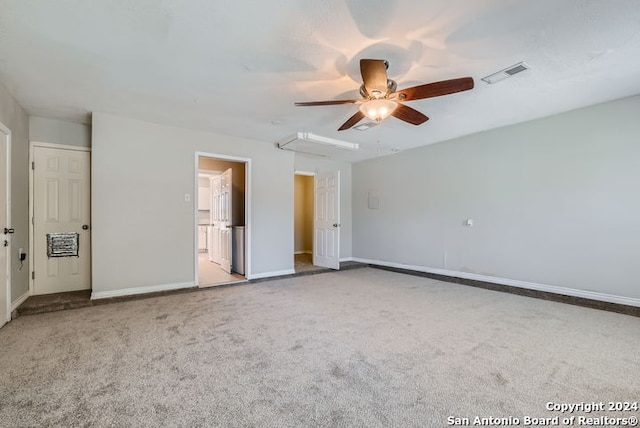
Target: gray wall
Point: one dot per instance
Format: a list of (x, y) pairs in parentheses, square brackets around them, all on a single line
[(555, 202), (45, 130), (143, 232), (16, 119)]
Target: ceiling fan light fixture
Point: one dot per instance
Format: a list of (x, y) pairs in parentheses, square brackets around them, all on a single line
[(378, 109), (381, 100)]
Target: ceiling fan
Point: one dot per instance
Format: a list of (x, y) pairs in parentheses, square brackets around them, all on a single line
[(380, 98)]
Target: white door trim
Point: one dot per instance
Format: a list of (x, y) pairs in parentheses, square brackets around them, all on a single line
[(247, 210), (59, 146), (32, 146), (7, 286)]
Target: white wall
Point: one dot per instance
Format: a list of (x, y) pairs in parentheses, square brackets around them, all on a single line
[(45, 130), (315, 164), (143, 230), (15, 118), (555, 203)]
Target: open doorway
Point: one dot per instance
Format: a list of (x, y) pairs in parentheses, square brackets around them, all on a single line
[(221, 244), (304, 184)]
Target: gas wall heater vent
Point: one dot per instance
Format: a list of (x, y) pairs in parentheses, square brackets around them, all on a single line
[(507, 72)]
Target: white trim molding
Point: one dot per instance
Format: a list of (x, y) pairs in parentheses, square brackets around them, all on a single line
[(272, 274), (592, 295), (96, 295), (6, 282), (59, 146), (20, 301), (346, 259)]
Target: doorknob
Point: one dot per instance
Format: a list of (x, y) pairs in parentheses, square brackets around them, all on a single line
[(335, 225), (8, 230), (85, 227)]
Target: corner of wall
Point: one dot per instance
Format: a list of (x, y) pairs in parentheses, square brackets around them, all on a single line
[(13, 116)]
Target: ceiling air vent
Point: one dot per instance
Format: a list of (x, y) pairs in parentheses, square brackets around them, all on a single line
[(306, 142), (364, 126), (507, 72)]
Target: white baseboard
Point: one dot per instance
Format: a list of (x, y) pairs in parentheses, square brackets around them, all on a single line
[(630, 301), (346, 259), (95, 295), (303, 252), (272, 273), (20, 301)]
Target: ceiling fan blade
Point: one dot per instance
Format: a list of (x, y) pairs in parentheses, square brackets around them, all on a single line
[(436, 89), (409, 115), (326, 103), (374, 75), (352, 121)]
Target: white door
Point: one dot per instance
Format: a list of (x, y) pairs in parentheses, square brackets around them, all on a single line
[(214, 236), (326, 224), (202, 238), (61, 213), (226, 189), (5, 248)]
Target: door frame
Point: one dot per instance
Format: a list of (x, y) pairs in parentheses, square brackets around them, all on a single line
[(313, 235), (32, 146), (247, 210), (7, 286)]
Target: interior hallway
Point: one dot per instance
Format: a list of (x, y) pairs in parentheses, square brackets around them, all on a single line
[(210, 273)]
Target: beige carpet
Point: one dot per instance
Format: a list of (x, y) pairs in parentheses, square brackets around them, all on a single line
[(358, 348), (304, 263)]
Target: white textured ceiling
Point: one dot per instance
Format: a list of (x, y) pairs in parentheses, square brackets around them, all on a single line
[(236, 67)]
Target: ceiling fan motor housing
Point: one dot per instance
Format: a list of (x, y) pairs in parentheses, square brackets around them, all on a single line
[(391, 88)]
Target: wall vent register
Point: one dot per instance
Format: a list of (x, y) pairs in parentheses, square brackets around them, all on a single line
[(62, 244)]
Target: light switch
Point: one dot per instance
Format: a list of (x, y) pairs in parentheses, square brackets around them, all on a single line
[(373, 202), (187, 197), (469, 222)]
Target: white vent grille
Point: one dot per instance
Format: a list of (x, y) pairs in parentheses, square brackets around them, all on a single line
[(506, 73), (364, 126), (517, 69)]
